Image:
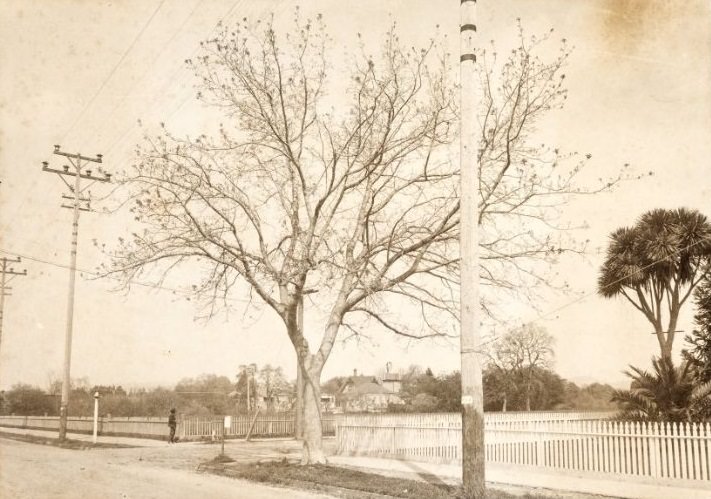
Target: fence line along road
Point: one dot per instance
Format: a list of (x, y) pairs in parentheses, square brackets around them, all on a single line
[(454, 420), (272, 424), (189, 427), (656, 450), (265, 425)]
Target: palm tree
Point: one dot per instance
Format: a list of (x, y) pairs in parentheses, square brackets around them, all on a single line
[(698, 351), (667, 394), (656, 264)]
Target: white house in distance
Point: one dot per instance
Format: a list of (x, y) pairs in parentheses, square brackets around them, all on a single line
[(364, 393)]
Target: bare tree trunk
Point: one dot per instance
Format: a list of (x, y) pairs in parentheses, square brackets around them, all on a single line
[(528, 393), (503, 406), (312, 430), (299, 404)]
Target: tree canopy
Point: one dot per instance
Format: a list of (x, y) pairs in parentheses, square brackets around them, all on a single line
[(517, 357), (656, 264)]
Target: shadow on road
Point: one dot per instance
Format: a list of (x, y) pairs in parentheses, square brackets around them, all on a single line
[(424, 474)]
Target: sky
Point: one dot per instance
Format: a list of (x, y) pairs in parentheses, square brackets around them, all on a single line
[(81, 73)]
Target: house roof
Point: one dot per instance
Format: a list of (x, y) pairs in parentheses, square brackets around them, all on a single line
[(367, 388), (358, 380)]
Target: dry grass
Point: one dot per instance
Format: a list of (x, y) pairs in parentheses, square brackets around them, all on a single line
[(343, 482), (66, 444)]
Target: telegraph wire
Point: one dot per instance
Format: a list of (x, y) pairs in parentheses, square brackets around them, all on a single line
[(617, 281), (177, 32), (113, 71), (171, 80), (25, 198), (98, 276), (185, 292)]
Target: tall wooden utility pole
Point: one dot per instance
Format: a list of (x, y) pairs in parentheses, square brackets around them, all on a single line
[(75, 171), (4, 272), (472, 390)]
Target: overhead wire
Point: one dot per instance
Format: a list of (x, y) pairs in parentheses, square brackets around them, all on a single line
[(539, 317), (101, 87), (97, 275), (25, 197), (170, 81), (113, 70), (616, 281), (150, 65)]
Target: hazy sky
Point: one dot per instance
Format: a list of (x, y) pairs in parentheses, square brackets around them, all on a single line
[(640, 93)]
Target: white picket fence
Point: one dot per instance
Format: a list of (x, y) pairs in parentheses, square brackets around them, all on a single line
[(152, 427), (189, 427), (265, 425), (657, 450)]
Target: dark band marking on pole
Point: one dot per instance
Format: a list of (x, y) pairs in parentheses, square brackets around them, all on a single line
[(467, 27), (467, 57), (465, 1)]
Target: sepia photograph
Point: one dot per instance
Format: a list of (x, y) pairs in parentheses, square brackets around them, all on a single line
[(336, 249)]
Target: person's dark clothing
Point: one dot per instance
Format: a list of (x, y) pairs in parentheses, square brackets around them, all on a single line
[(172, 424)]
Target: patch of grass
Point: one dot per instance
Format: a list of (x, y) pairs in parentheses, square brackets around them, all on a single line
[(355, 484), (220, 459), (66, 444)]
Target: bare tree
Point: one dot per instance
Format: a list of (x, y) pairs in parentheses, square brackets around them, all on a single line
[(518, 354), (506, 363), (295, 198), (351, 211), (524, 183)]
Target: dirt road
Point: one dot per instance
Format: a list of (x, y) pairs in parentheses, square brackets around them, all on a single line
[(31, 471)]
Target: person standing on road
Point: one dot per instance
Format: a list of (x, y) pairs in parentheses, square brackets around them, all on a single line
[(172, 424)]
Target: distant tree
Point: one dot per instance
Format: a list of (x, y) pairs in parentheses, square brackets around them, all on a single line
[(518, 356), (656, 264), (593, 397), (424, 402), (246, 388), (496, 393), (208, 391), (274, 385), (105, 390), (425, 392), (668, 393), (158, 401), (450, 392), (547, 391), (28, 400), (503, 366), (82, 401)]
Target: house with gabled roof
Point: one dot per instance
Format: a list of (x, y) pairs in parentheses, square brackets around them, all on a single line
[(359, 393)]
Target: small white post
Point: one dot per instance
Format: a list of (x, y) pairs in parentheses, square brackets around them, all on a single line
[(96, 415)]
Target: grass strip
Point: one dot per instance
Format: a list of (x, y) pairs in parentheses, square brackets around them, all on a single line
[(351, 483), (66, 444)]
